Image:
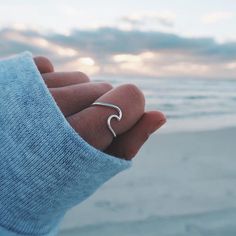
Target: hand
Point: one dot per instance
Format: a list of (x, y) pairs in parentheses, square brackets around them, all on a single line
[(74, 93)]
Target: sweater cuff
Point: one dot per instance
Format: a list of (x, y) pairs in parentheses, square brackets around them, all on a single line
[(45, 166), (5, 232)]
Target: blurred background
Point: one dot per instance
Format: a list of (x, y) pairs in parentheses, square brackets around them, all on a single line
[(183, 56)]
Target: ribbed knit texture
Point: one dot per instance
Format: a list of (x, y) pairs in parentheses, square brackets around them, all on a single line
[(45, 166)]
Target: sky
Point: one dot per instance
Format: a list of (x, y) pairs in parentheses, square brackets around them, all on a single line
[(171, 38)]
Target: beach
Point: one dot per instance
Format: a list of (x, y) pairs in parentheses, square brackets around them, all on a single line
[(181, 183), (181, 55)]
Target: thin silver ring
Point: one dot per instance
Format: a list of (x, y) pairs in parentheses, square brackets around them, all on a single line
[(117, 117)]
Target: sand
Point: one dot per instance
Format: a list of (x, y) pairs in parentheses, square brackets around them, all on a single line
[(180, 184)]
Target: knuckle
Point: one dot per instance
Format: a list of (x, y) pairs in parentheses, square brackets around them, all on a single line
[(82, 76), (44, 59), (106, 86), (133, 91), (45, 62), (130, 153)]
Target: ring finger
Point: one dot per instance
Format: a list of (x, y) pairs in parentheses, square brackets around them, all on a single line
[(91, 124)]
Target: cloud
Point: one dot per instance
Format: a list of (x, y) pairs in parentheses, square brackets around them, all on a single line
[(149, 19), (216, 17), (114, 51), (106, 41)]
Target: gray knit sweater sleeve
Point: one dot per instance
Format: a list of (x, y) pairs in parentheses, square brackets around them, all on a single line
[(45, 166)]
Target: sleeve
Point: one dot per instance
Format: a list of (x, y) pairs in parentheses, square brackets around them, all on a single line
[(46, 167)]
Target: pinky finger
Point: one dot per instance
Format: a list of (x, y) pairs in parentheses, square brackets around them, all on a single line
[(44, 64), (128, 144)]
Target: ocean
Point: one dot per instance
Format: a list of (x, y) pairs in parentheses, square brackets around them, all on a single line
[(189, 104), (182, 182)]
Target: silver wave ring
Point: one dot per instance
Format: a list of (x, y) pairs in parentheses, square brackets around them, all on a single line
[(117, 117)]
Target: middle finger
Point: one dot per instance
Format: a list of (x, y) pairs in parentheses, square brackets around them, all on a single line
[(61, 79), (74, 98)]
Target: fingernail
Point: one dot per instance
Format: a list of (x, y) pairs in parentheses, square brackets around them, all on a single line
[(158, 126), (161, 123)]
